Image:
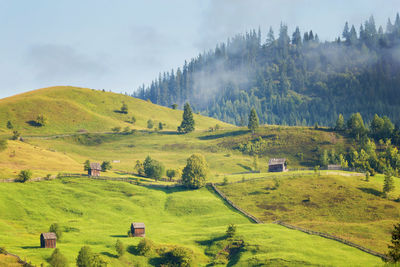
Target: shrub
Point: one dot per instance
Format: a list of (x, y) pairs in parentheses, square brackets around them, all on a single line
[(24, 175), (105, 166), (16, 135), (231, 231), (120, 248), (86, 258), (41, 120), (153, 168), (55, 228), (178, 256), (57, 259), (145, 247), (171, 174), (150, 124)]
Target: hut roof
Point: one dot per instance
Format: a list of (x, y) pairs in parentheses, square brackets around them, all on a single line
[(49, 235), (276, 161), (95, 166), (138, 225)]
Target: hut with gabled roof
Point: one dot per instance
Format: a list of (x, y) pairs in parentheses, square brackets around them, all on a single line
[(94, 169), (48, 240), (277, 165), (138, 229)]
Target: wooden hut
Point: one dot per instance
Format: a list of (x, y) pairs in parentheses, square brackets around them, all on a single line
[(94, 169), (277, 165), (138, 229), (48, 240)]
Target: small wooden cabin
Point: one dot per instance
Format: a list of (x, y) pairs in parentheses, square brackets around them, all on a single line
[(94, 169), (277, 165), (48, 240), (138, 229)]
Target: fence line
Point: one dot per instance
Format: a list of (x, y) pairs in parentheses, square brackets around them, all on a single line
[(24, 263), (324, 235)]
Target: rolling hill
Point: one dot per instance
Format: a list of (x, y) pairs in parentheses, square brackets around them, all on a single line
[(71, 109)]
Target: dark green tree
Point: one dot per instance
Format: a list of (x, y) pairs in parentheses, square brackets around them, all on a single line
[(194, 174), (10, 125), (153, 168), (388, 183), (105, 166), (231, 231), (394, 248), (24, 176), (355, 126), (124, 108), (188, 123), (253, 120), (174, 106), (340, 125), (85, 257), (171, 174), (86, 165)]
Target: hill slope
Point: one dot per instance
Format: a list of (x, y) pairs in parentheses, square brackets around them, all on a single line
[(97, 213), (69, 109)]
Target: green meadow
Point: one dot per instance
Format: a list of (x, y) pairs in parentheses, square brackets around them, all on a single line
[(97, 213), (342, 205)]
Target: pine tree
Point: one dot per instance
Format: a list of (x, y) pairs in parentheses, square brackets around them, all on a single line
[(388, 183), (253, 120), (188, 123), (394, 248), (340, 126)]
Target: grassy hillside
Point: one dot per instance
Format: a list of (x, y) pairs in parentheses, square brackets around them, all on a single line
[(97, 213), (346, 206), (70, 109)]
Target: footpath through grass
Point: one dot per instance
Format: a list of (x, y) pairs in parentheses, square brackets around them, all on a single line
[(97, 213)]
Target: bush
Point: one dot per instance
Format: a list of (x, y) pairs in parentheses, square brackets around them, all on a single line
[(231, 231), (86, 258), (150, 124), (120, 248), (16, 135), (105, 166), (24, 175), (55, 228), (145, 247), (171, 174), (57, 259), (178, 256), (41, 120)]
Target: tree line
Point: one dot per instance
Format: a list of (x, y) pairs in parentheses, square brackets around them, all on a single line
[(290, 79)]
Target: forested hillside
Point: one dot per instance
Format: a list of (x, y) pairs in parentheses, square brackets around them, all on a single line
[(292, 79)]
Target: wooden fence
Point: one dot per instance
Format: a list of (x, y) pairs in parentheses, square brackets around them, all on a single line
[(20, 261), (325, 235)]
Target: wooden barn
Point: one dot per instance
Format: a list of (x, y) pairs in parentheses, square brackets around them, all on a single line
[(94, 169), (277, 165), (138, 229), (48, 240)]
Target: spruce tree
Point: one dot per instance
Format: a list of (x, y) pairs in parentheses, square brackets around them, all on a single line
[(253, 120), (340, 126), (394, 248), (388, 183), (187, 124)]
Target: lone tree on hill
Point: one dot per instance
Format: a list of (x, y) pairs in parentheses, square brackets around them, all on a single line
[(195, 172), (10, 125), (24, 176), (187, 124), (41, 120), (124, 108), (105, 166), (388, 183), (253, 120), (394, 248)]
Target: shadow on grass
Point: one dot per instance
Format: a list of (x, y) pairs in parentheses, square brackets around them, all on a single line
[(30, 247), (108, 254), (371, 191), (244, 167), (169, 190), (209, 242), (133, 250), (119, 236), (221, 135), (33, 124)]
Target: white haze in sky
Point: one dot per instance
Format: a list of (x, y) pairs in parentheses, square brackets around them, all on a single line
[(119, 45)]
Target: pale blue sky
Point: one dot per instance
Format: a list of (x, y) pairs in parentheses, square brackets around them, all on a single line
[(118, 45)]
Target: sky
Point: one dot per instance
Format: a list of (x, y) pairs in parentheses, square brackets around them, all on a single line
[(119, 45)]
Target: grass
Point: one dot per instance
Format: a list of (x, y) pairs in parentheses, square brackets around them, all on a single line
[(346, 206), (71, 109), (97, 213), (9, 261)]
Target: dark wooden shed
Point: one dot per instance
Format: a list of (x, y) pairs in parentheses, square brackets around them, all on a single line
[(277, 165), (94, 169), (138, 229), (48, 240)]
